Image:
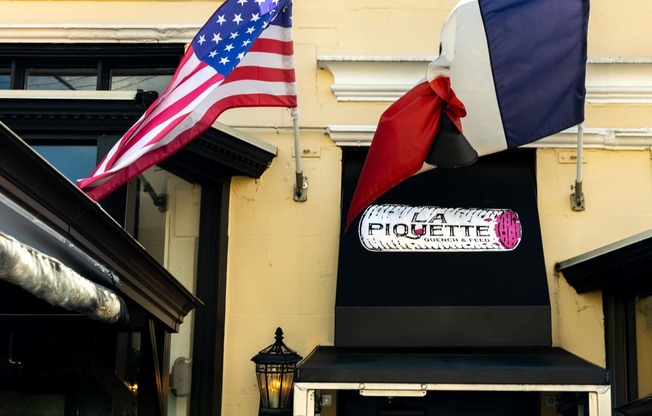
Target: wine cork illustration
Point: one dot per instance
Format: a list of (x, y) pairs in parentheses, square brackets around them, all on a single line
[(392, 227)]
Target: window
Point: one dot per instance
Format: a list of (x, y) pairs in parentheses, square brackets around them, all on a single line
[(4, 80), (146, 80), (61, 79), (84, 67)]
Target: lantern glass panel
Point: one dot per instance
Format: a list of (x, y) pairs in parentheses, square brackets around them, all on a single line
[(275, 384)]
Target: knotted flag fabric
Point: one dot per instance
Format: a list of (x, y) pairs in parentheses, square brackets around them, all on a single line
[(518, 67), (242, 57)]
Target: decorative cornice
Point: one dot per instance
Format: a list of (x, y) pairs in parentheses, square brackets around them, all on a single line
[(386, 78), (373, 78), (593, 138)]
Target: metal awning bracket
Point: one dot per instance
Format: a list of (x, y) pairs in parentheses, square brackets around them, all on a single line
[(406, 390)]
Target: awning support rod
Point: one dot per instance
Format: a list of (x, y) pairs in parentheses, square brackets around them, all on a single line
[(577, 197), (301, 185)]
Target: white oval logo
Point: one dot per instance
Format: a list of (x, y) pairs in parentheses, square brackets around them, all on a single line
[(392, 227)]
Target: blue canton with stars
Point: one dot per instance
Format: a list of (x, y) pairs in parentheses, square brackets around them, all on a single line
[(234, 27)]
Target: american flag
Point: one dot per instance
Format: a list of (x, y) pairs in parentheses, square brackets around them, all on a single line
[(242, 57)]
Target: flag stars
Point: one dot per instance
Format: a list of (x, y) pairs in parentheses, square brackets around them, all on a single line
[(246, 43), (201, 39), (234, 35), (255, 17), (229, 47), (220, 19), (260, 1), (250, 30), (242, 2), (212, 54), (224, 60), (216, 38), (237, 18)]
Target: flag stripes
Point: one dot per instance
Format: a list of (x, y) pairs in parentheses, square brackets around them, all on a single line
[(198, 93)]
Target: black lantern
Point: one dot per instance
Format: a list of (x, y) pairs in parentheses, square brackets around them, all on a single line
[(275, 366)]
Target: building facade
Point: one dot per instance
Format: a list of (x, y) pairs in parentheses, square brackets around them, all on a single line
[(236, 238)]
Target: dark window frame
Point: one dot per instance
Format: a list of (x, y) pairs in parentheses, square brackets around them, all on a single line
[(103, 57)]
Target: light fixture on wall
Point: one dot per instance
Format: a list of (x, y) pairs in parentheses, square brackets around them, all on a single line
[(275, 367)]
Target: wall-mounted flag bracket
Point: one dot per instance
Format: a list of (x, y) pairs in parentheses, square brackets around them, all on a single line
[(301, 184), (577, 197)]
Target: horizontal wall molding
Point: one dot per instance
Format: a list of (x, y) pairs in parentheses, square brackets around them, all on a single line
[(593, 138), (89, 33), (373, 78), (386, 78)]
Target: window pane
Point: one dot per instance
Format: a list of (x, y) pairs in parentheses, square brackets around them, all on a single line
[(121, 80), (4, 81), (75, 162), (61, 79)]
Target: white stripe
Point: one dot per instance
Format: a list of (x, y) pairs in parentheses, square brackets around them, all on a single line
[(142, 147), (244, 87), (192, 112), (465, 54), (183, 72), (182, 89), (195, 111), (277, 32), (267, 60)]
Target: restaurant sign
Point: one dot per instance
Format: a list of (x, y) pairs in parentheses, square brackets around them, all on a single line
[(391, 227)]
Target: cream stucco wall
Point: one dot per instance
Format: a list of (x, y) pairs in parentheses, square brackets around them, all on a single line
[(282, 260), (618, 191)]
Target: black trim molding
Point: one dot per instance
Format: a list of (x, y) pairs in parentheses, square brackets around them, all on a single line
[(624, 267), (215, 153)]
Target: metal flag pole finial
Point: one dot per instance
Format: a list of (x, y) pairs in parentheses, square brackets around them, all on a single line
[(301, 185)]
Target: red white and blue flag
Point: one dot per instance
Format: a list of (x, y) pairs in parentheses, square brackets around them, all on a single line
[(242, 57), (510, 72)]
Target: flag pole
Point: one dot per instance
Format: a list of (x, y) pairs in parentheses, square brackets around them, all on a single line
[(301, 185), (577, 197)]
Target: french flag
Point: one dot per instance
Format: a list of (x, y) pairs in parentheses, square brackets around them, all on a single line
[(509, 72)]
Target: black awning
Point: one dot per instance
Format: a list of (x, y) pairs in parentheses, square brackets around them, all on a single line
[(545, 365), (640, 407), (624, 266), (29, 182)]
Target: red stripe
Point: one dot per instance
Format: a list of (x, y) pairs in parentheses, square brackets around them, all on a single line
[(170, 110), (261, 74), (127, 140), (151, 158), (256, 100), (273, 46)]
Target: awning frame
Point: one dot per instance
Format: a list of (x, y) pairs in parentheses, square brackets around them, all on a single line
[(304, 392)]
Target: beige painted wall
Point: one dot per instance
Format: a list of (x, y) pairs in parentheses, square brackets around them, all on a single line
[(618, 193), (282, 262), (282, 254)]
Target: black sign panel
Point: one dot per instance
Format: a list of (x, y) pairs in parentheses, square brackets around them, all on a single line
[(443, 298)]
